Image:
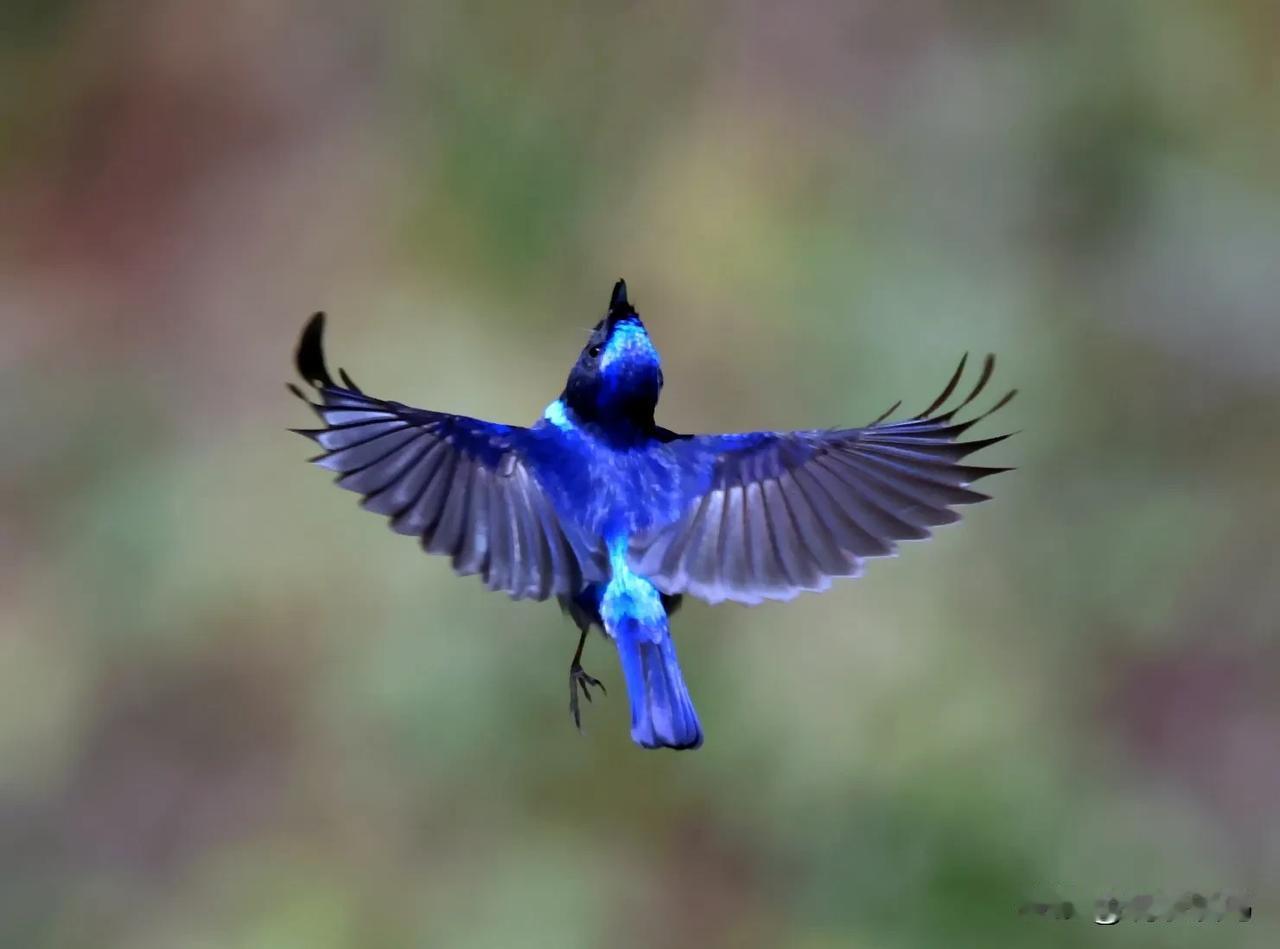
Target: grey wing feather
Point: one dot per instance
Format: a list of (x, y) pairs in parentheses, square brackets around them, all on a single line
[(782, 513), (459, 484)]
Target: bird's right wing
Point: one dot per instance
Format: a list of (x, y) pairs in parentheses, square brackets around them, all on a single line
[(460, 484), (773, 514)]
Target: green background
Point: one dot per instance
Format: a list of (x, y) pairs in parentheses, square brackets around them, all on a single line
[(240, 712)]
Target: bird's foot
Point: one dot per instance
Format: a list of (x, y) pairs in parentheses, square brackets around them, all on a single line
[(578, 679)]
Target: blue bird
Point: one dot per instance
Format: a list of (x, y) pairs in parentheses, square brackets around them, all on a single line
[(618, 518)]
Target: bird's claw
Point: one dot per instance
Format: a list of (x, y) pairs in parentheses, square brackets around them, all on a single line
[(578, 679)]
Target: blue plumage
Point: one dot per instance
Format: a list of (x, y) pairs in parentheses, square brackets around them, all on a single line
[(618, 518), (632, 613)]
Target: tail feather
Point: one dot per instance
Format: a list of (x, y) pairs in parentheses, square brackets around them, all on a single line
[(662, 714)]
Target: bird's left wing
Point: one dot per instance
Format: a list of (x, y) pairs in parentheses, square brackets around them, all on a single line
[(460, 484), (773, 514)]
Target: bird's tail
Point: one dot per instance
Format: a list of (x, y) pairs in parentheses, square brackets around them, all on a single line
[(662, 714)]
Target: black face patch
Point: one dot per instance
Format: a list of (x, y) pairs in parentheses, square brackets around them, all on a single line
[(596, 342)]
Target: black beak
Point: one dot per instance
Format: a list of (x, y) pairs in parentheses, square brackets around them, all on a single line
[(619, 306)]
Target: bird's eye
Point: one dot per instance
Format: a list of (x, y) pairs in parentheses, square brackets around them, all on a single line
[(593, 352)]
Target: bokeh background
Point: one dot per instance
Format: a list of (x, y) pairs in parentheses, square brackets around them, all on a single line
[(240, 712)]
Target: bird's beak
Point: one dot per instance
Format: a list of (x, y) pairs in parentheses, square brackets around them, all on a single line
[(619, 306), (619, 299)]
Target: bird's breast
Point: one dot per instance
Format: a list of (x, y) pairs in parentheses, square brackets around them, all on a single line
[(607, 490)]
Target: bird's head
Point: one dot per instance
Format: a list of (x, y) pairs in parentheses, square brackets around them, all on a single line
[(618, 375)]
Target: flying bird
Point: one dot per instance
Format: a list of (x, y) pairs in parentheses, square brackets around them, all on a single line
[(619, 518)]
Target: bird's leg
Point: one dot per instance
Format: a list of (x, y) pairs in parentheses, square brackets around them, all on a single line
[(578, 679)]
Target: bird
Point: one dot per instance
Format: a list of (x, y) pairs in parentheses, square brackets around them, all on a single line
[(619, 519)]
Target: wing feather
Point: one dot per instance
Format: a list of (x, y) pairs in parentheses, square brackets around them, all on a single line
[(461, 485), (773, 514)]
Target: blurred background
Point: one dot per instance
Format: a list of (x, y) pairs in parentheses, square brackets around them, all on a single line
[(240, 712)]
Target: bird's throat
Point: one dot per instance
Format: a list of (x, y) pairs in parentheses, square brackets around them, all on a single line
[(622, 402)]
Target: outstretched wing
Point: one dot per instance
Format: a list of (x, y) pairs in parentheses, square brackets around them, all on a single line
[(778, 513), (460, 484)]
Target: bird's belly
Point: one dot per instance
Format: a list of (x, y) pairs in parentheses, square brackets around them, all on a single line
[(628, 597), (632, 492)]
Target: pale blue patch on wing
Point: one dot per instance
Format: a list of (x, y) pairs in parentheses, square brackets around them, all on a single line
[(350, 416), (629, 342), (628, 595), (558, 416)]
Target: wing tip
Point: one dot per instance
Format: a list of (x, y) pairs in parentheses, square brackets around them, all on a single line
[(934, 415), (946, 392), (978, 473), (309, 357)]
